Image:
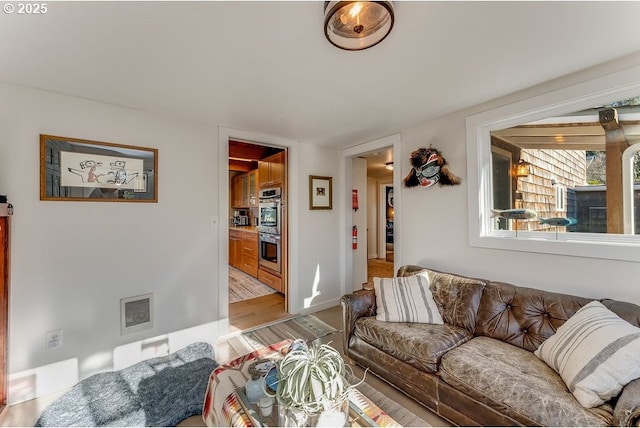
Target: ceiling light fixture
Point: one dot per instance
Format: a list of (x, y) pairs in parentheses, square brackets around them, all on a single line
[(388, 166), (357, 25)]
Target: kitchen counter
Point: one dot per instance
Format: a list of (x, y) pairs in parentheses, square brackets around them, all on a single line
[(253, 229)]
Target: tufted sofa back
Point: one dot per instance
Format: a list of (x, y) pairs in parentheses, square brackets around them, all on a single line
[(522, 316)]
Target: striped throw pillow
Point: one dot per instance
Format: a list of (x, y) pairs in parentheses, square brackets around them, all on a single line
[(406, 299), (595, 352)]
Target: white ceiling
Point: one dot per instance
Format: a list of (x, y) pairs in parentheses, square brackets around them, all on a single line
[(266, 67)]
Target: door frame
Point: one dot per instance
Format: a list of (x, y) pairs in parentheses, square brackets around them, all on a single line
[(346, 219), (382, 226), (222, 218)]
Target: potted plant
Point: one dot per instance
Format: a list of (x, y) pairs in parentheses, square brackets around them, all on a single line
[(312, 389)]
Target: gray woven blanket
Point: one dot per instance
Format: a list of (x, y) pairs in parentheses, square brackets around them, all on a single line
[(160, 391)]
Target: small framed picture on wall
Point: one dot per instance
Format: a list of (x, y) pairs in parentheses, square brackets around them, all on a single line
[(320, 193)]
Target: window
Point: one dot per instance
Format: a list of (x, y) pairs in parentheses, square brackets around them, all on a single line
[(560, 198), (570, 193), (501, 173)]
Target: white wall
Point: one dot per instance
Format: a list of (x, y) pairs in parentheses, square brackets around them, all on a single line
[(435, 226), (319, 281), (72, 262)]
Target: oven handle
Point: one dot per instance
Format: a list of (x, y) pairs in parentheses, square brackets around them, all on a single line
[(267, 237)]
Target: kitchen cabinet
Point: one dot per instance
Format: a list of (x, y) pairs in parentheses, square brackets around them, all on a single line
[(252, 197), (244, 190), (243, 250), (236, 191), (271, 170), (250, 253), (270, 279), (235, 248)]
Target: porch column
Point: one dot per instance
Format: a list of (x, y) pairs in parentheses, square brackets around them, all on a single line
[(615, 143)]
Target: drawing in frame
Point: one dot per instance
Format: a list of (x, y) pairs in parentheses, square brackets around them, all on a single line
[(72, 169), (320, 193)]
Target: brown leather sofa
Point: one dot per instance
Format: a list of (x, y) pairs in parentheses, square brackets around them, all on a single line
[(479, 367)]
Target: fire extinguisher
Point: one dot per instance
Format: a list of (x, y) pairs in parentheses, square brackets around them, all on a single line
[(354, 237)]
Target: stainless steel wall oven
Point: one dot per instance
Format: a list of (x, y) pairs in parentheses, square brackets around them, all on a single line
[(270, 256), (270, 206)]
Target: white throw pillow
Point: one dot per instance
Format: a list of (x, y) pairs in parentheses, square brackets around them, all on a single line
[(406, 299), (596, 352)]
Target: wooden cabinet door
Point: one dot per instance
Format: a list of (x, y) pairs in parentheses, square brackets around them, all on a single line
[(244, 180), (235, 248), (253, 188), (277, 169), (236, 191), (250, 253), (263, 173), (4, 307), (271, 170), (270, 279)]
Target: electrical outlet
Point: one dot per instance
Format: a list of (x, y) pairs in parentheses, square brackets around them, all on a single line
[(54, 339)]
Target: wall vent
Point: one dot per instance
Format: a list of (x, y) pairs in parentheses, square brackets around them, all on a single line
[(136, 314)]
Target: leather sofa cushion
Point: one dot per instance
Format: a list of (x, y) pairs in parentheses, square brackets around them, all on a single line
[(524, 317), (420, 345), (625, 310), (457, 297), (516, 383)]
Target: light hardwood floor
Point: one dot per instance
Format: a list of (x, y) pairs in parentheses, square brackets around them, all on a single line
[(258, 311)]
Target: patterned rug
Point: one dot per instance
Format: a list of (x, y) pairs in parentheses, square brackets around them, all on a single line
[(244, 287), (307, 327), (403, 416)]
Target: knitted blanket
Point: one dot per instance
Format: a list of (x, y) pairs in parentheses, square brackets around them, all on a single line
[(160, 391)]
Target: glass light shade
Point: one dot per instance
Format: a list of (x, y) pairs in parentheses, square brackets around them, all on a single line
[(389, 166), (522, 168), (357, 25)]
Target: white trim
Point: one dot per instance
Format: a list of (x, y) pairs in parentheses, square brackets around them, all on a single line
[(293, 194), (382, 225), (615, 86), (628, 187), (394, 141), (560, 195)]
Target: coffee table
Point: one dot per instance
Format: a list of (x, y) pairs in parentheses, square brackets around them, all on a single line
[(224, 404)]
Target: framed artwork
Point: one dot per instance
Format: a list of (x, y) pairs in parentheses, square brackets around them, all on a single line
[(320, 193), (72, 169)]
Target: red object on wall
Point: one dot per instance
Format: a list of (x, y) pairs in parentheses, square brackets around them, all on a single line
[(354, 237), (354, 199)]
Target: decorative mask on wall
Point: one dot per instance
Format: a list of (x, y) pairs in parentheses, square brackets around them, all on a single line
[(429, 168)]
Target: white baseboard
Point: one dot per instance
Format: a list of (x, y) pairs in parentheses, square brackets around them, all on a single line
[(320, 306)]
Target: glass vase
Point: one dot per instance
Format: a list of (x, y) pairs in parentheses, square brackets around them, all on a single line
[(336, 416)]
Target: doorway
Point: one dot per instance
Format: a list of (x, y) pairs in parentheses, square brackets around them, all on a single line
[(242, 314), (257, 233), (371, 174)]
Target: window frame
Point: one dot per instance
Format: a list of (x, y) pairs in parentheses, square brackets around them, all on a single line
[(560, 198), (612, 87)]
